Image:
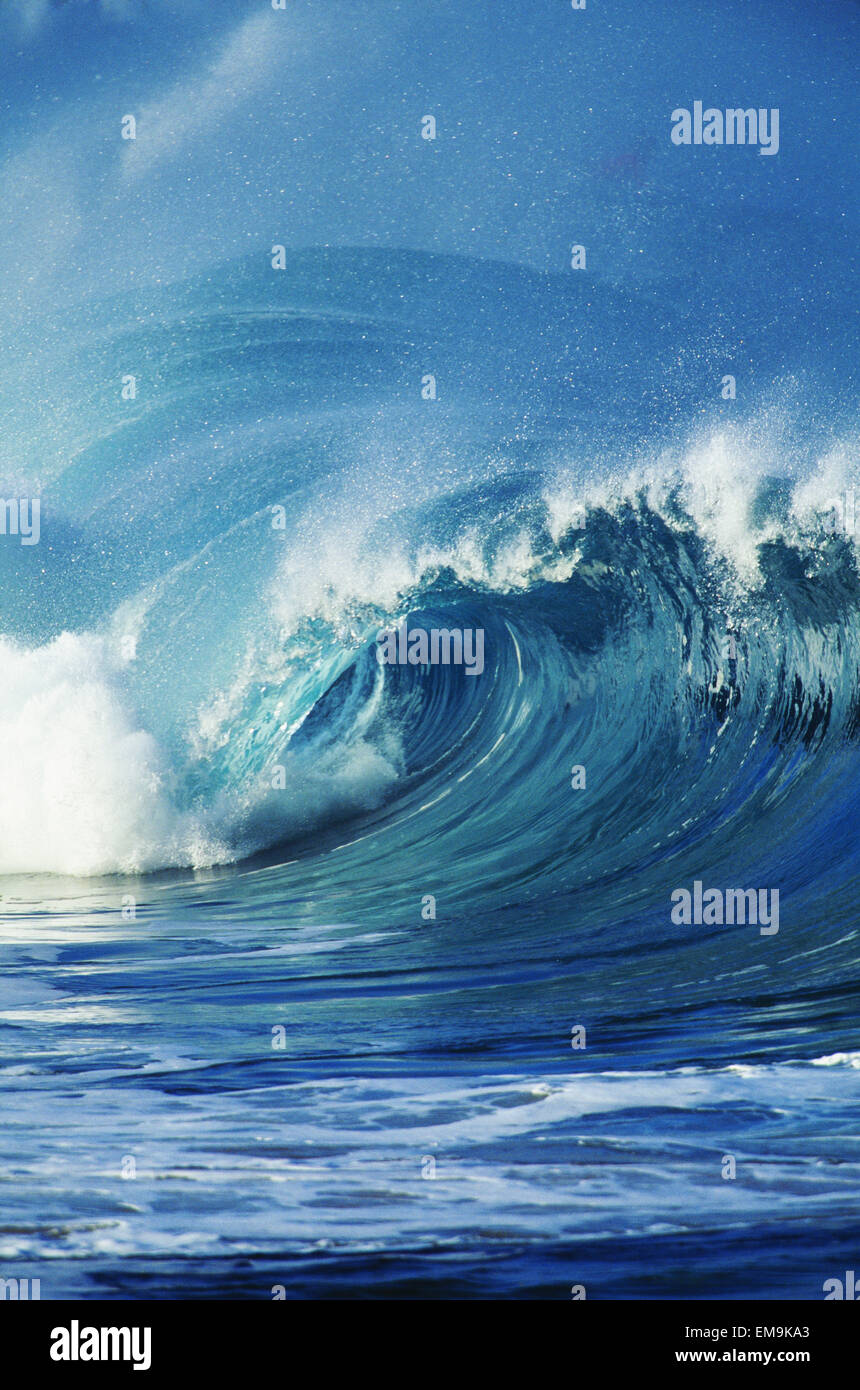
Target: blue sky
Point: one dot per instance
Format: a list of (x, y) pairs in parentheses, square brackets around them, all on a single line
[(303, 127)]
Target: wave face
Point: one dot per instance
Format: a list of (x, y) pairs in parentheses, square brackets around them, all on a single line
[(634, 612), (302, 946)]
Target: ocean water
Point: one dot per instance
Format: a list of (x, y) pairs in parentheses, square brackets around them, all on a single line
[(337, 979)]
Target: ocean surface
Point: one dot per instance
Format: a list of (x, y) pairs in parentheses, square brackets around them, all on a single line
[(326, 978)]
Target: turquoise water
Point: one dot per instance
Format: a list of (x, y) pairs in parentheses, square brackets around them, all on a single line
[(296, 945)]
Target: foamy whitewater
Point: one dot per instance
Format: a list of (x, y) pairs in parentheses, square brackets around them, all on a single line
[(295, 943)]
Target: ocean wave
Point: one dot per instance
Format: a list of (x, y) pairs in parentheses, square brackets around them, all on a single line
[(679, 614)]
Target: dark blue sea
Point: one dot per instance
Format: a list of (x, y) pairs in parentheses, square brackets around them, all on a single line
[(327, 978)]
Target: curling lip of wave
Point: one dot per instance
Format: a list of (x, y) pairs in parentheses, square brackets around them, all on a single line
[(91, 790)]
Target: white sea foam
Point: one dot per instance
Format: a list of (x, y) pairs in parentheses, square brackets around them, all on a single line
[(716, 477), (85, 787), (88, 789)]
